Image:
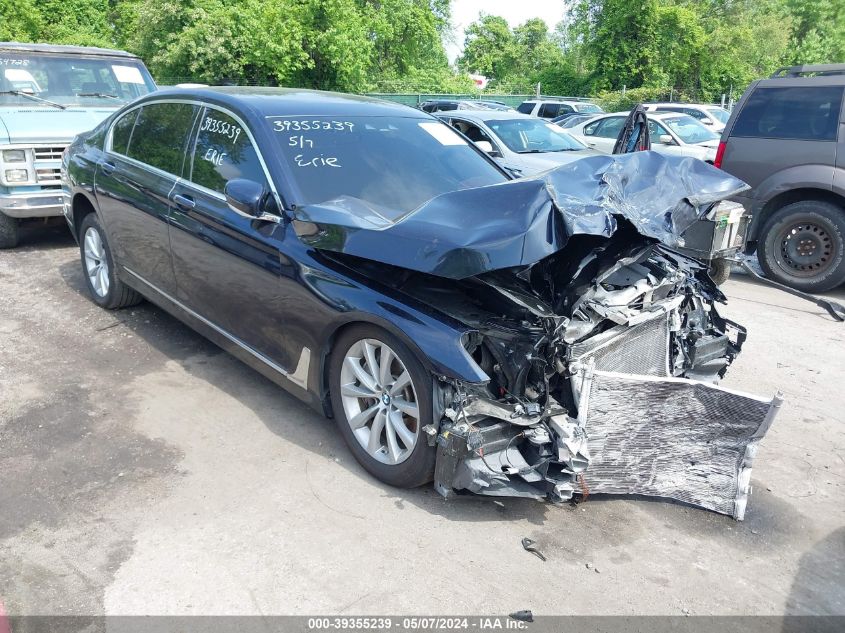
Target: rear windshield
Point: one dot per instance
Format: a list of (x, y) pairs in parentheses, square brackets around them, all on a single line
[(589, 107), (720, 114), (33, 78), (689, 130), (393, 164), (808, 113)]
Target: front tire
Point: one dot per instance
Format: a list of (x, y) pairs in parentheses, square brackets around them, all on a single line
[(9, 231), (98, 268), (802, 245), (382, 398)]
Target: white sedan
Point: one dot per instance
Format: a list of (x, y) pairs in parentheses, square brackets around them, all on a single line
[(670, 133)]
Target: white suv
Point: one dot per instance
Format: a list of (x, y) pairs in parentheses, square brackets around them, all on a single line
[(551, 108)]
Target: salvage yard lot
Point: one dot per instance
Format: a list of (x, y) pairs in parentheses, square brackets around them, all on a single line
[(143, 470)]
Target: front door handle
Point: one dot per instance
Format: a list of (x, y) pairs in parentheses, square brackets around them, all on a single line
[(186, 202), (107, 167)]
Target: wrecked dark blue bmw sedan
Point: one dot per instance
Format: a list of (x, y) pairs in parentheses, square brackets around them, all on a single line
[(538, 337)]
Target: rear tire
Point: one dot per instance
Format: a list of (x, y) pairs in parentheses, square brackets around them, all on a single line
[(382, 403), (9, 231), (802, 245), (98, 268), (720, 270)]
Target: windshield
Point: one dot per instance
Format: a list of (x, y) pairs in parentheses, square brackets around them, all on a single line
[(689, 130), (393, 164), (527, 136), (720, 114), (70, 79), (589, 107)]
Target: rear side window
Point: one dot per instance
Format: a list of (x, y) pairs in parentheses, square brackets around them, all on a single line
[(551, 110), (161, 135), (223, 152), (526, 107), (807, 113), (122, 132)]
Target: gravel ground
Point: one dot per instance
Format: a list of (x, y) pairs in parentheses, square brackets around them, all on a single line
[(144, 471)]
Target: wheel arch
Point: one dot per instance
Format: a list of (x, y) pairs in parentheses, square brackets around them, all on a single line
[(794, 195), (81, 206), (425, 358)]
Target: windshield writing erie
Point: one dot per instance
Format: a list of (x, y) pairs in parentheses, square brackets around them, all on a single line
[(311, 156), (392, 164)]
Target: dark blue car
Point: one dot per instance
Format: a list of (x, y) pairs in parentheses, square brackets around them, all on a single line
[(378, 266)]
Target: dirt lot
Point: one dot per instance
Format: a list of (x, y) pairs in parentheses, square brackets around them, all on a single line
[(142, 470)]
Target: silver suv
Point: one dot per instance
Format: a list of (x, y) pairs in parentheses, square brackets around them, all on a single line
[(786, 138)]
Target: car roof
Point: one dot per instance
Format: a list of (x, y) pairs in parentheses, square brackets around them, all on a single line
[(683, 105), (290, 101), (651, 115), (483, 116), (69, 50)]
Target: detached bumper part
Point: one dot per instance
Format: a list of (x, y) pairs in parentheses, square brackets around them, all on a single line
[(674, 438)]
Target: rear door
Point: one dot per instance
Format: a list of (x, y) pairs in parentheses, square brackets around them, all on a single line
[(144, 159), (602, 134), (228, 267)]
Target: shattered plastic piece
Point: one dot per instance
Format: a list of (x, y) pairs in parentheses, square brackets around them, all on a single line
[(523, 616), (528, 546)]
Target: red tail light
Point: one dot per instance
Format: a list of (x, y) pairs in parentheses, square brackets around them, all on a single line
[(720, 154)]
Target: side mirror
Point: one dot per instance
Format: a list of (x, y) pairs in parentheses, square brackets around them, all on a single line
[(665, 139), (485, 146), (246, 198)]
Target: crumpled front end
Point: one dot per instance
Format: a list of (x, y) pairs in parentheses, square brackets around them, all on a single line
[(602, 343), (605, 384)]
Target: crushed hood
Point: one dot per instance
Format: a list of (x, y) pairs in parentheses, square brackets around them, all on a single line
[(42, 124), (465, 233)]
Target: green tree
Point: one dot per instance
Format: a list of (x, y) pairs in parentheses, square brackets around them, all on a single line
[(490, 48)]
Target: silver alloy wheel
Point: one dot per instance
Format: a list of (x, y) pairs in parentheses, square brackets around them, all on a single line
[(96, 265), (380, 401)]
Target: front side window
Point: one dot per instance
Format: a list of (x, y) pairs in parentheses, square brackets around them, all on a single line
[(122, 131), (161, 134), (655, 131), (808, 113), (79, 80), (530, 136), (392, 164), (223, 152)]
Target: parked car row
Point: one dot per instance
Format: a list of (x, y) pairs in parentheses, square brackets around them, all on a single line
[(787, 145)]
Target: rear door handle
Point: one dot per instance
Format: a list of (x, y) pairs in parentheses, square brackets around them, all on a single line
[(186, 202), (107, 167)]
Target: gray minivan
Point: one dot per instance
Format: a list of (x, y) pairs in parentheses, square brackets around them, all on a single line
[(786, 138)]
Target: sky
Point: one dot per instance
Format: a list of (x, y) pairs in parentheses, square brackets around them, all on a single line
[(464, 12)]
